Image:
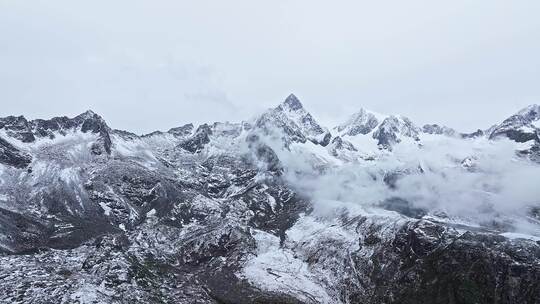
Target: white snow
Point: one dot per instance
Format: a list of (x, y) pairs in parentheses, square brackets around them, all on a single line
[(271, 201), (2, 170), (361, 117), (87, 294), (277, 269), (106, 209), (527, 129), (366, 144), (308, 229), (433, 176), (70, 175), (515, 235), (122, 226)]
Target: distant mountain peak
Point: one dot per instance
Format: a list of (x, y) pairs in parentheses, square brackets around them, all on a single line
[(530, 109), (392, 128), (436, 129), (361, 122), (292, 103), (28, 131), (88, 114), (295, 122), (184, 130), (520, 127)]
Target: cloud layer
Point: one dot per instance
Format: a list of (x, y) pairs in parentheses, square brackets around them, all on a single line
[(478, 181)]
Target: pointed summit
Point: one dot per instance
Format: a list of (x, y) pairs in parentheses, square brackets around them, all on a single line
[(88, 114), (292, 103), (531, 112), (89, 120), (296, 124), (520, 127), (361, 122)]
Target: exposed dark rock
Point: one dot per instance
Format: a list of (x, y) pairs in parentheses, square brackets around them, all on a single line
[(292, 102), (11, 156), (196, 142), (392, 129), (182, 131), (439, 130), (427, 263), (477, 133), (338, 144), (403, 207), (264, 154), (292, 123), (517, 135), (28, 131), (17, 127), (519, 127)]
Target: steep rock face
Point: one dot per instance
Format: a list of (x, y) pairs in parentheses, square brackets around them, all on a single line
[(521, 127), (532, 153), (88, 122), (182, 131), (393, 128), (11, 156), (178, 132), (222, 133), (291, 119), (264, 154), (197, 141), (475, 134), (17, 127), (439, 130), (338, 146), (430, 263), (362, 122), (385, 130)]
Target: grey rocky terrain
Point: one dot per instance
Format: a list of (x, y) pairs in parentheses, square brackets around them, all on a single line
[(211, 214)]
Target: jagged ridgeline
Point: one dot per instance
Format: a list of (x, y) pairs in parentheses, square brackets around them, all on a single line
[(233, 212)]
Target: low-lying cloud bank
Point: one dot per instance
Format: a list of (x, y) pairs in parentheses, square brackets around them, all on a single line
[(478, 181)]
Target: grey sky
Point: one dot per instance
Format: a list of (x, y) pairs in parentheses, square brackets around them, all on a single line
[(146, 65)]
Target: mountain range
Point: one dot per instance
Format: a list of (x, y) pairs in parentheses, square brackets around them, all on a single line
[(277, 209)]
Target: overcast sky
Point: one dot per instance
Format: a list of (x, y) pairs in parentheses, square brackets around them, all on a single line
[(146, 65)]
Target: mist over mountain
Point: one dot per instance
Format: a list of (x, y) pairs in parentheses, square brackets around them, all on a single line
[(274, 209)]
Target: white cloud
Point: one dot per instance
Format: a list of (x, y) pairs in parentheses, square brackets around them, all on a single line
[(499, 186)]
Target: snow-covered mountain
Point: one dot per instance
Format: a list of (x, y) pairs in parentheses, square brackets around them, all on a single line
[(521, 127), (439, 130), (361, 122), (387, 130), (292, 120), (274, 210)]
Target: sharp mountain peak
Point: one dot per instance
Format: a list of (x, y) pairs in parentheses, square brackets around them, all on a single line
[(292, 103)]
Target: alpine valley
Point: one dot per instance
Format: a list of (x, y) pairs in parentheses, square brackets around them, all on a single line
[(277, 209)]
